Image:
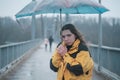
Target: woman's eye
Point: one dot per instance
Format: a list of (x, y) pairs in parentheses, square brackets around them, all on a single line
[(63, 36), (68, 35)]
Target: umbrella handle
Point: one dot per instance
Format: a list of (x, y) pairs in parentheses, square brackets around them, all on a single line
[(60, 17)]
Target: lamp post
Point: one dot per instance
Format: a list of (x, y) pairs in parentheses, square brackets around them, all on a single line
[(100, 40)]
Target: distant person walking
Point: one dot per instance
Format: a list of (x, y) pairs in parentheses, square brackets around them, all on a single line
[(50, 42), (46, 43)]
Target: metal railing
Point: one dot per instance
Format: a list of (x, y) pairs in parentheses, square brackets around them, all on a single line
[(11, 52), (109, 59)]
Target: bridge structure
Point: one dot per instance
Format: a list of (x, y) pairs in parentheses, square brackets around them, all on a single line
[(28, 60)]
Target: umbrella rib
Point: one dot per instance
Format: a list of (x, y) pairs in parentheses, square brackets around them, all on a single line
[(77, 10), (98, 10)]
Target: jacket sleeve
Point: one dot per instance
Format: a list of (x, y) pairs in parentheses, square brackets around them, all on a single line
[(55, 61), (80, 64), (85, 60)]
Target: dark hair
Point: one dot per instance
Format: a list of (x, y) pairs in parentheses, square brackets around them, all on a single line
[(73, 30)]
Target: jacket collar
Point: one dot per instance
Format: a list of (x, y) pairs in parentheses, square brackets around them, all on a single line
[(76, 43), (74, 47)]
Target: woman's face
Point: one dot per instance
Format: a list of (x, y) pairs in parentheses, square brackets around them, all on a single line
[(68, 37)]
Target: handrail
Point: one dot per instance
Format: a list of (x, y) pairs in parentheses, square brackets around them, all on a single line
[(108, 59), (12, 52), (105, 47)]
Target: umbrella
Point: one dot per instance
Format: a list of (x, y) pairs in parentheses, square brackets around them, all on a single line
[(61, 6), (69, 7)]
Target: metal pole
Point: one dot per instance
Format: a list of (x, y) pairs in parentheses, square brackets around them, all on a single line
[(33, 27), (100, 40)]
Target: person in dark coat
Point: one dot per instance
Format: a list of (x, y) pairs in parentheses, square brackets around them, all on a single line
[(50, 42)]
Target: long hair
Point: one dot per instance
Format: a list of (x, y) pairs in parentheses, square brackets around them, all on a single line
[(73, 30)]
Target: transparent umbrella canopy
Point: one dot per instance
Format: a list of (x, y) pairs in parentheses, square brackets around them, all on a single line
[(69, 7), (62, 6)]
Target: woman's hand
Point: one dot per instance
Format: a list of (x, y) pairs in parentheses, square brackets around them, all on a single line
[(62, 50)]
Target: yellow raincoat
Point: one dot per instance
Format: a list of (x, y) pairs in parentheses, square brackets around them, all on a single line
[(76, 64)]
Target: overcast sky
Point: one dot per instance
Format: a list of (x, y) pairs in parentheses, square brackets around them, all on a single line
[(11, 7)]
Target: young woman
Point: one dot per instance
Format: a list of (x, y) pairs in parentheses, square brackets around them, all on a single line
[(71, 59)]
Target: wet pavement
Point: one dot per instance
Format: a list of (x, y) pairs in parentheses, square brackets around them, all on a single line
[(36, 67)]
